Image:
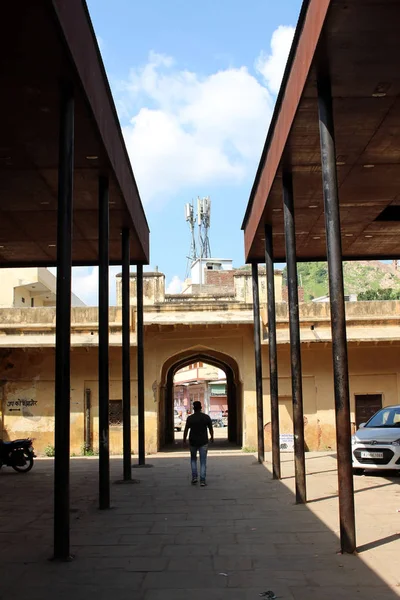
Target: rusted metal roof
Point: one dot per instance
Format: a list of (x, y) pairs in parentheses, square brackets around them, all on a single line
[(43, 42), (357, 42)]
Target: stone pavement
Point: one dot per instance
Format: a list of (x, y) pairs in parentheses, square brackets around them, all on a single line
[(166, 540)]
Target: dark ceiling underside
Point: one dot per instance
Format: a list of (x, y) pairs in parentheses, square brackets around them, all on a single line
[(34, 58), (362, 41)]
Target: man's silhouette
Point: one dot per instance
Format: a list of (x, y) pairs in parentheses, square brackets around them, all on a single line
[(198, 423)]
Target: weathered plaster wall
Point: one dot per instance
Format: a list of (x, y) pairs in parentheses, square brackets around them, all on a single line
[(373, 369), (153, 288), (244, 287), (27, 392), (233, 342), (27, 385)]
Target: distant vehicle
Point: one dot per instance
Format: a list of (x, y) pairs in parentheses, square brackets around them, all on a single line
[(18, 454), (216, 418), (178, 423), (376, 444)]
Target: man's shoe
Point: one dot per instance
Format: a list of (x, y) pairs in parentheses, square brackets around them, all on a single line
[(194, 480), (203, 483)]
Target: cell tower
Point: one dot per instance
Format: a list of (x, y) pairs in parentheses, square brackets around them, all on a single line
[(204, 221), (191, 219)]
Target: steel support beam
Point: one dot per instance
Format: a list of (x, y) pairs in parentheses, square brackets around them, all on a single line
[(258, 361), (338, 317), (126, 355), (104, 450), (273, 359), (294, 329), (63, 324), (140, 364)]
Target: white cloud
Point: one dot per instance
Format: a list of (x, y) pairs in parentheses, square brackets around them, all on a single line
[(175, 285), (85, 281), (272, 65), (85, 284), (192, 130)]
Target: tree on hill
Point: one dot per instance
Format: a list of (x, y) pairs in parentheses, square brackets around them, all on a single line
[(369, 281), (313, 277), (385, 294)]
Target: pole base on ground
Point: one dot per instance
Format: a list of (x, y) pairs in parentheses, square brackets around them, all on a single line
[(67, 559), (145, 466), (105, 508)]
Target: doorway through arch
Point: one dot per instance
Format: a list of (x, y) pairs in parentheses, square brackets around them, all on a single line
[(233, 386)]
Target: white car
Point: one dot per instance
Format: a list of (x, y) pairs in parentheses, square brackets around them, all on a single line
[(178, 422), (376, 444)]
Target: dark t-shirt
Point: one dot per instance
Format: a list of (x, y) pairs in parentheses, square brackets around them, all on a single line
[(198, 424)]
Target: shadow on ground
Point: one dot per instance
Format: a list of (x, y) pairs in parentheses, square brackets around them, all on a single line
[(218, 444), (165, 539)]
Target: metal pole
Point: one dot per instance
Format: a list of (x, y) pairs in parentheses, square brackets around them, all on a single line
[(295, 350), (140, 364), (338, 317), (126, 349), (258, 358), (104, 450), (273, 359), (63, 324), (88, 434)]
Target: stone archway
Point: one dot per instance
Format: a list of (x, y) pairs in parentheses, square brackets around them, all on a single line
[(234, 392)]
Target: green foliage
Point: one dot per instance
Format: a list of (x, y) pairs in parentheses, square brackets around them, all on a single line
[(50, 451), (89, 451), (313, 277), (387, 294), (249, 449), (368, 281)]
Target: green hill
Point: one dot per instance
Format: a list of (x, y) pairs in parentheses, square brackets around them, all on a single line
[(372, 279)]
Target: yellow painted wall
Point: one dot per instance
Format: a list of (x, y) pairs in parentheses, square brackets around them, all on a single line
[(27, 385)]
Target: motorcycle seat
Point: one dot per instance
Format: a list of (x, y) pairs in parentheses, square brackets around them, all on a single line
[(12, 442)]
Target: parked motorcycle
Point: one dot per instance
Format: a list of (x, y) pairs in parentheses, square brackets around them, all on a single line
[(18, 454)]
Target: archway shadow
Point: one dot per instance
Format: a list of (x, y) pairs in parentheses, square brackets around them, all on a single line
[(219, 445)]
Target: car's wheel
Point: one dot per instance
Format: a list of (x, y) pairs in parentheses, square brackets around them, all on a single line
[(179, 428), (358, 471)]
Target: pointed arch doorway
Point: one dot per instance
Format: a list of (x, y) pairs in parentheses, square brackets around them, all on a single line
[(166, 399)]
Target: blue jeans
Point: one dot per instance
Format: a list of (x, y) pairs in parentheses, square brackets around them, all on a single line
[(203, 461)]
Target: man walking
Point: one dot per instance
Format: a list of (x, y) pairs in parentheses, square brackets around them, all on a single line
[(198, 423)]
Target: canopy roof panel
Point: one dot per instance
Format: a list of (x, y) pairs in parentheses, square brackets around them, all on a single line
[(43, 43), (357, 43)]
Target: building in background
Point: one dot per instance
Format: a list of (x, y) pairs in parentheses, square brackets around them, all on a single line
[(203, 382), (347, 298), (30, 288), (194, 336), (199, 273)]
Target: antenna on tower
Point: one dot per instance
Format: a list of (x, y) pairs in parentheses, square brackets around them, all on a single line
[(204, 221), (191, 219)]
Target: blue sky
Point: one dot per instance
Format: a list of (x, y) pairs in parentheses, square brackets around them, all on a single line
[(194, 85)]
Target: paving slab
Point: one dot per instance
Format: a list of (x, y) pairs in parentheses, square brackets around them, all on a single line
[(165, 539)]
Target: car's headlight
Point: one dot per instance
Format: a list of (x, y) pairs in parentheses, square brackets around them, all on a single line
[(354, 440), (396, 442)]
